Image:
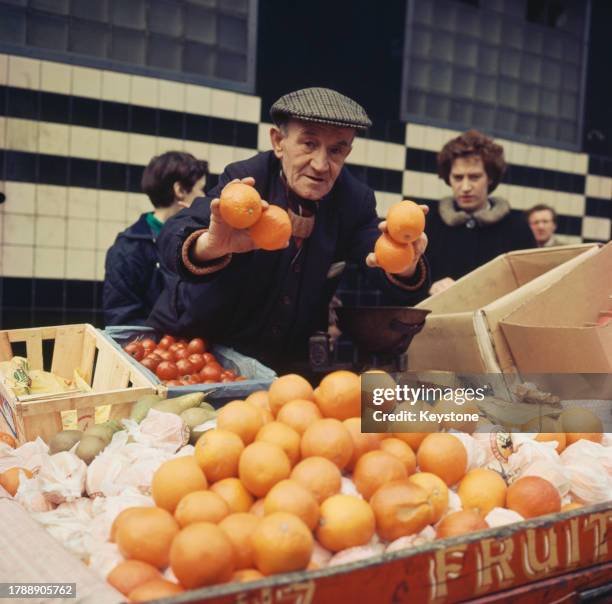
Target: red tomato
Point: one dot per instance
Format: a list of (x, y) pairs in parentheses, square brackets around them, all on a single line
[(197, 360), (135, 350), (165, 342), (150, 363), (185, 380), (184, 367), (229, 373), (167, 370), (175, 347), (197, 345), (208, 357), (194, 378), (209, 381), (149, 345), (165, 355), (211, 371), (181, 353)]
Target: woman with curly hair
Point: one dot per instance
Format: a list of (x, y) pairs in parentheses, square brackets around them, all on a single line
[(471, 227)]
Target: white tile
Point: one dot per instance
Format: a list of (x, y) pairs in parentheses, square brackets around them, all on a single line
[(433, 187), (395, 156), (135, 204), (113, 146), (375, 154), (107, 232), (517, 197), (3, 132), (197, 99), (17, 260), (520, 152), (565, 161), (84, 142), (503, 191), (112, 205), (20, 197), (358, 153), (18, 229), (81, 233), (199, 150), (220, 157), (415, 136), (571, 204), (241, 153), (141, 148), (23, 72), (508, 151), (171, 95), (163, 144), (223, 104), (51, 200), (605, 187), (534, 156), (4, 67), (596, 228), (412, 184), (55, 77), (49, 263), (248, 108), (115, 86), (581, 163), (53, 139), (144, 91), (50, 232), (80, 264), (100, 258), (384, 201), (263, 136), (549, 158), (591, 188), (22, 135), (82, 203), (86, 82)]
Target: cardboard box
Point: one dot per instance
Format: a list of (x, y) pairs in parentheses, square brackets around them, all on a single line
[(555, 331), (462, 333)]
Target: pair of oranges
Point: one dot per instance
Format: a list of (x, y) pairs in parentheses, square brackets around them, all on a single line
[(240, 206), (393, 249)]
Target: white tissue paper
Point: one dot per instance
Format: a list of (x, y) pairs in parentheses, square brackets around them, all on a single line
[(62, 477)]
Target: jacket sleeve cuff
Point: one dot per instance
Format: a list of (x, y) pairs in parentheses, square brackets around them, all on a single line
[(411, 283), (203, 268)]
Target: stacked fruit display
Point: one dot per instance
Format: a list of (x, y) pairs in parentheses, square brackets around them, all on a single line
[(178, 362)]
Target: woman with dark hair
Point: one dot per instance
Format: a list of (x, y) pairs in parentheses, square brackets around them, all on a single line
[(471, 227), (133, 279)]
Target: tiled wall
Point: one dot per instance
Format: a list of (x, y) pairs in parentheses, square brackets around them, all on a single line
[(74, 140)]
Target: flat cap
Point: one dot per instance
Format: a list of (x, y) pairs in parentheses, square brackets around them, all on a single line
[(320, 105)]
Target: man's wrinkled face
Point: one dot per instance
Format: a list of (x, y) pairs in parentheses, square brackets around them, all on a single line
[(542, 225), (469, 182), (312, 155)]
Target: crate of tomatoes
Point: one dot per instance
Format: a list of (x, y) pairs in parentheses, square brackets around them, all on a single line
[(184, 366)]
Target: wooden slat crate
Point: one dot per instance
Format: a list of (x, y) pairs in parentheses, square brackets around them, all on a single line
[(114, 381)]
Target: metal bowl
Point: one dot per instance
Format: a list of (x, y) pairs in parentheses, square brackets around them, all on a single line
[(381, 329)]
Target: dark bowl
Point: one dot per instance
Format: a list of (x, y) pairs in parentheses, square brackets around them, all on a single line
[(381, 329)]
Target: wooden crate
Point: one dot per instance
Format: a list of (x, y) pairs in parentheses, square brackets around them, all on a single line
[(114, 381), (555, 558)]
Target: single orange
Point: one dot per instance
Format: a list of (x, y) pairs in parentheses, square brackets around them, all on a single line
[(294, 498), (240, 205), (398, 448), (242, 418), (376, 468), (288, 388), (281, 543), (391, 256), (362, 441), (339, 395), (218, 452), (482, 490), (437, 492), (234, 493), (9, 479), (533, 496), (258, 508), (405, 221), (261, 466), (460, 523), (239, 528), (120, 517), (259, 398), (129, 574), (319, 475), (328, 438), (202, 554), (174, 479), (346, 521), (147, 536), (299, 414), (201, 506), (282, 435), (154, 590), (443, 455), (273, 229)]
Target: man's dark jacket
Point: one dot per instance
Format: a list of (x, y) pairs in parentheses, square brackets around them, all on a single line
[(133, 280), (267, 304)]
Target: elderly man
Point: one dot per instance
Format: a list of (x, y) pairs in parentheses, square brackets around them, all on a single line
[(542, 220), (471, 227), (268, 304)]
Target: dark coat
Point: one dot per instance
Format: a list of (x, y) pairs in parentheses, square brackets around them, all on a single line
[(454, 251), (267, 304), (133, 280)]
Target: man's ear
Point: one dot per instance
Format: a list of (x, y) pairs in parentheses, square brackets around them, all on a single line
[(276, 138), (179, 192)]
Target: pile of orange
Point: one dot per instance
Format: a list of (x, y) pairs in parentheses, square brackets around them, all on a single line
[(241, 207), (264, 490)]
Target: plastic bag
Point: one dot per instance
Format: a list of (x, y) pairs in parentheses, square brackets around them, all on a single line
[(502, 516), (62, 477), (427, 535)]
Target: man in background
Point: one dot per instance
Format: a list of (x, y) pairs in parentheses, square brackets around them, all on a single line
[(133, 279), (471, 227), (542, 220)]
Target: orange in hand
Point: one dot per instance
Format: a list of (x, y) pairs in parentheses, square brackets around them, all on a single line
[(273, 229), (392, 256), (405, 221), (240, 205)]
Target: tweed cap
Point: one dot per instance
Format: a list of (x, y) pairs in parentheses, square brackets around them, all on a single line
[(320, 105)]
